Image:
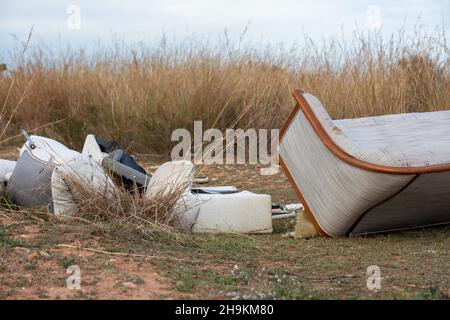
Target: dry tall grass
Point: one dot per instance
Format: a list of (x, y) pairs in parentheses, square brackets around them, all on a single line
[(139, 94), (117, 213), (126, 213)]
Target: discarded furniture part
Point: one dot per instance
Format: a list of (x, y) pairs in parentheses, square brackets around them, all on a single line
[(92, 149), (367, 175), (66, 193), (199, 209), (6, 168), (284, 215), (43, 176), (126, 172), (240, 212), (40, 176), (215, 190), (286, 211), (201, 179), (109, 155), (211, 209), (171, 177)]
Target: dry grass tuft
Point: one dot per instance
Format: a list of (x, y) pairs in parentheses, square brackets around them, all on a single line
[(122, 212), (116, 213)]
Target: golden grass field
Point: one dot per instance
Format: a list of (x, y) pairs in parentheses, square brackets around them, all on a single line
[(138, 95)]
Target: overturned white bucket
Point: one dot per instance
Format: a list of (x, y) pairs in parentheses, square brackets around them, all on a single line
[(231, 212), (241, 212)]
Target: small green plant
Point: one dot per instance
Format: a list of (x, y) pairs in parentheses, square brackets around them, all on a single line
[(42, 294), (21, 282), (184, 278), (30, 265), (68, 261), (135, 279), (8, 242), (432, 292)]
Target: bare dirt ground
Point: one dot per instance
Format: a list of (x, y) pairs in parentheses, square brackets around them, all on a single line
[(35, 252)]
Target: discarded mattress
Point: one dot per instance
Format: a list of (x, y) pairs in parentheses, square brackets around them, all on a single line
[(367, 175)]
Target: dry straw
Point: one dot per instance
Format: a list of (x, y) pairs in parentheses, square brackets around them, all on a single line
[(140, 93), (126, 212)]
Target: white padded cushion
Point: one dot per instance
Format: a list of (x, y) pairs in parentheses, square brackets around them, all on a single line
[(399, 140), (6, 167), (83, 169), (241, 212), (170, 177)]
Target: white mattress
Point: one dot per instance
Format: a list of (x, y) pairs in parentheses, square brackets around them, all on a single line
[(402, 140)]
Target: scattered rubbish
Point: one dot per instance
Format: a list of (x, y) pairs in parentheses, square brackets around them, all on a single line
[(239, 212), (39, 178), (6, 168), (201, 179), (45, 254), (286, 211), (294, 207), (215, 190), (270, 171)]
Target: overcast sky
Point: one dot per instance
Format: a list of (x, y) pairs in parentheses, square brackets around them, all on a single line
[(274, 21)]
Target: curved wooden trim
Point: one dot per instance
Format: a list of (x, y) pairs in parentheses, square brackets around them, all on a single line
[(288, 121), (302, 199), (304, 106)]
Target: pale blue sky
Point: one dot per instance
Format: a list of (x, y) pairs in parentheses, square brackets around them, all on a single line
[(271, 21)]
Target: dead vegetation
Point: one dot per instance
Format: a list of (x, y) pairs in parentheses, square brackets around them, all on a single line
[(139, 94), (130, 214), (114, 214)]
